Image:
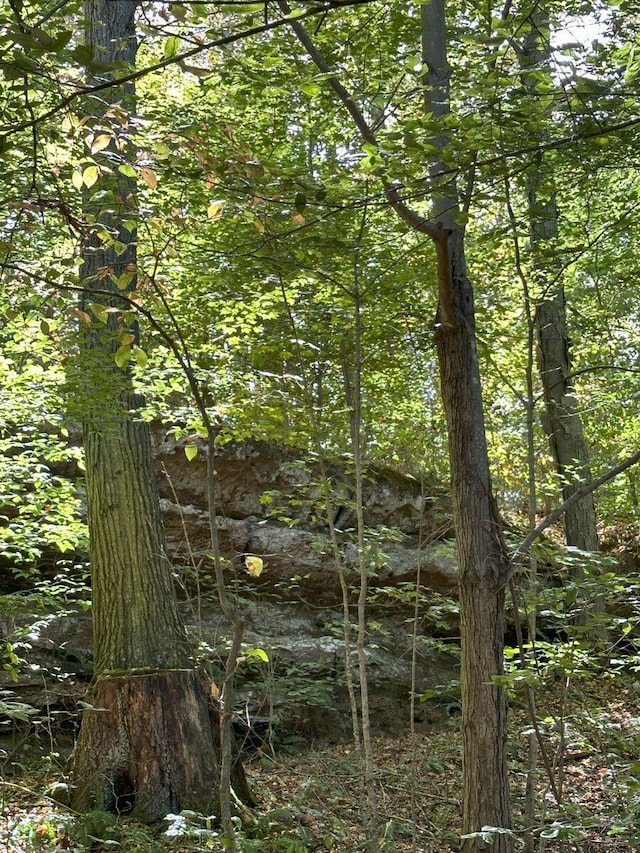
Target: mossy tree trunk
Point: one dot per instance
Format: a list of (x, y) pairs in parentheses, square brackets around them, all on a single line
[(148, 745)]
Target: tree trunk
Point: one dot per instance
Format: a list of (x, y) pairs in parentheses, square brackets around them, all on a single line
[(133, 745), (147, 746), (483, 562), (561, 421), (135, 616)]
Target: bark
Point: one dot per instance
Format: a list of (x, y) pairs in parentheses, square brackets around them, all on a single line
[(133, 746), (483, 563), (135, 616), (148, 745), (561, 421)]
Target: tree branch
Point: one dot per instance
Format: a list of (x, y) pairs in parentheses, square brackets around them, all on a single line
[(580, 492), (8, 130), (409, 216)]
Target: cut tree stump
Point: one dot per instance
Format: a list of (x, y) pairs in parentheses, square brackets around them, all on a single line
[(148, 746)]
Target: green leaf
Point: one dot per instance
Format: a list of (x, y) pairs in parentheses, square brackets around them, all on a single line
[(123, 281), (23, 62), (90, 176), (191, 451), (247, 8), (139, 356), (171, 46), (122, 356), (127, 170), (99, 311), (311, 89), (256, 653)]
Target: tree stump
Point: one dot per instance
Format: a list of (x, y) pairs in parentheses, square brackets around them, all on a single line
[(147, 746)]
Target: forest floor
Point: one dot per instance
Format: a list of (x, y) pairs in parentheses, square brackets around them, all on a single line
[(309, 799)]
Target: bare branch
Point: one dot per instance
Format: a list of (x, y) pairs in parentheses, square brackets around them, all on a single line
[(580, 492)]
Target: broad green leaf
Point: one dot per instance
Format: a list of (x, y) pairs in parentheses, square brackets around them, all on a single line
[(76, 179), (100, 311), (258, 653), (139, 356), (127, 170), (171, 46), (311, 89), (191, 451), (246, 8), (122, 356), (123, 281)]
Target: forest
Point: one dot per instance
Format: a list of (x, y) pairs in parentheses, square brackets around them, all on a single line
[(319, 434)]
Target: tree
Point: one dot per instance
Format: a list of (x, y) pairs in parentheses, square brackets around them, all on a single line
[(562, 422), (484, 564), (147, 744)]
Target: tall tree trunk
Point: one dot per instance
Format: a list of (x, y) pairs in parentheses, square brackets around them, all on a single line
[(483, 562), (147, 746), (561, 421)]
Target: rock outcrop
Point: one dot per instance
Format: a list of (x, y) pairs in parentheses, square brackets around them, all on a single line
[(271, 504)]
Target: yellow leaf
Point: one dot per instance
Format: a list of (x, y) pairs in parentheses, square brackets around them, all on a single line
[(90, 176), (215, 209), (76, 180), (149, 177), (255, 566), (101, 142)]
